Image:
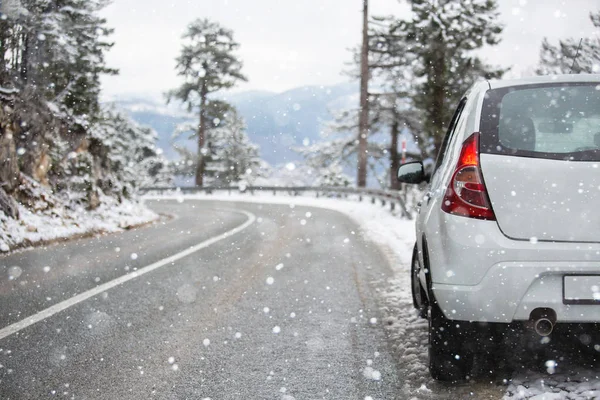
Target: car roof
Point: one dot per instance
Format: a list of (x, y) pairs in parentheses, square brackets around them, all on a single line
[(495, 84)]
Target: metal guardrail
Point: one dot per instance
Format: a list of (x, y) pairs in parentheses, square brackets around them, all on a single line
[(393, 198)]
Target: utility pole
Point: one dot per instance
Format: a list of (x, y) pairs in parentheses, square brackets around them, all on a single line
[(363, 119)]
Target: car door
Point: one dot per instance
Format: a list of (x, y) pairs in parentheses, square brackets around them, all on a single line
[(438, 170), (435, 188)]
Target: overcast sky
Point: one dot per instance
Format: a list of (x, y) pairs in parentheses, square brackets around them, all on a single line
[(291, 43)]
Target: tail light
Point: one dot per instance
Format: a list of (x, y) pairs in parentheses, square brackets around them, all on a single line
[(466, 194)]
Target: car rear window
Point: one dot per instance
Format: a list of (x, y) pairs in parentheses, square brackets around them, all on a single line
[(559, 121)]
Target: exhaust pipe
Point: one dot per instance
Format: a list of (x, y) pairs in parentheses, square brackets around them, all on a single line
[(543, 327), (542, 320)]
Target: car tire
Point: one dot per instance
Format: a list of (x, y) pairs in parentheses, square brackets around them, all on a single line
[(449, 359), (418, 294)]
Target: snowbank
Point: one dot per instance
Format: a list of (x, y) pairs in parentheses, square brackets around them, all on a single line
[(61, 223)]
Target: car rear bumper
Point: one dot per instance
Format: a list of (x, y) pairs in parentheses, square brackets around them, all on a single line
[(511, 290), (479, 274)]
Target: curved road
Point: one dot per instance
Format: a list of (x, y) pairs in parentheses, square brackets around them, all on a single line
[(285, 308)]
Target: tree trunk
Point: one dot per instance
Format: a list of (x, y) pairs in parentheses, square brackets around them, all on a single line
[(394, 156), (3, 50), (25, 57), (201, 136), (8, 205), (363, 119), (9, 166), (438, 107)]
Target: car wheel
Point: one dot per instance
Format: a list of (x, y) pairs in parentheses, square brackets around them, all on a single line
[(418, 294), (449, 360)]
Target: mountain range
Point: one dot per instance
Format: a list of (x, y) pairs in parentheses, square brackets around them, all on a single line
[(277, 122)]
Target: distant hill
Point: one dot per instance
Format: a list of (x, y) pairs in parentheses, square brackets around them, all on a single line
[(277, 122)]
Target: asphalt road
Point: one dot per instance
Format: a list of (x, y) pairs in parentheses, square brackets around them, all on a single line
[(286, 308)]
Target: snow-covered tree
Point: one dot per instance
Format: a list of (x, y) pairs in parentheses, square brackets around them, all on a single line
[(229, 155), (290, 174), (52, 54), (215, 111), (332, 175), (51, 60), (232, 157), (58, 47), (129, 153), (397, 113), (339, 147), (188, 160), (572, 55), (392, 65), (208, 64), (115, 159), (442, 36)]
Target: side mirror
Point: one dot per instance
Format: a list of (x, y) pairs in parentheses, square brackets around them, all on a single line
[(412, 172)]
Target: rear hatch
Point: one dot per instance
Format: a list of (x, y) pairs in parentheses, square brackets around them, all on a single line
[(540, 160)]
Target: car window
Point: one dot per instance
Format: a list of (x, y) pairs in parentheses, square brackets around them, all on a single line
[(449, 134), (552, 122)]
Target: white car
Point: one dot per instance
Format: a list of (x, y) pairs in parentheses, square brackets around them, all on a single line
[(509, 230)]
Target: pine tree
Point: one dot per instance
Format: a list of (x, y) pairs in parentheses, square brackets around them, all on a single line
[(228, 154), (442, 36), (56, 49), (215, 112), (73, 75), (52, 58), (340, 147), (232, 158), (390, 104), (208, 64), (52, 51), (129, 153), (391, 64), (396, 113), (572, 55)]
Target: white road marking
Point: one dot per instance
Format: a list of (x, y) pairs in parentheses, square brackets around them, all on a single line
[(63, 305)]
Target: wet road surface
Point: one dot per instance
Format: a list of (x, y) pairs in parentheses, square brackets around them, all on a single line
[(286, 308)]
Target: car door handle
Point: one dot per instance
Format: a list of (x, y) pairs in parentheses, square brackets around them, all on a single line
[(427, 197)]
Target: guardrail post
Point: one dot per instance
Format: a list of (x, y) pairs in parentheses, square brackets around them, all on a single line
[(392, 205), (372, 200), (382, 203), (360, 197)]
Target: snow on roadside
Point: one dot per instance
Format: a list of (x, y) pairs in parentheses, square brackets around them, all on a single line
[(61, 223), (578, 384)]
